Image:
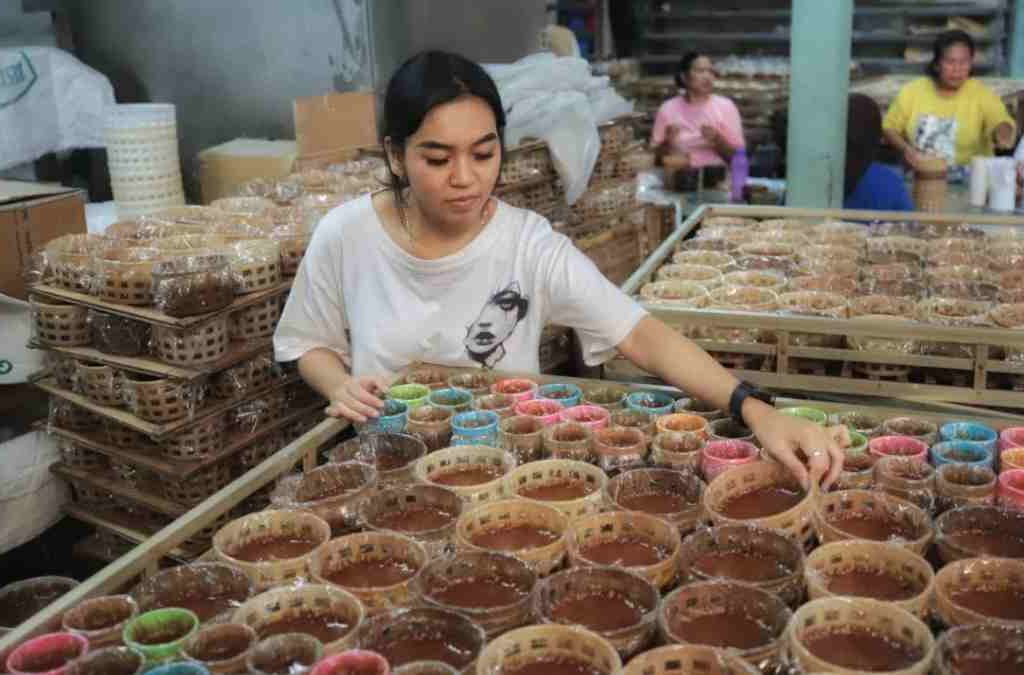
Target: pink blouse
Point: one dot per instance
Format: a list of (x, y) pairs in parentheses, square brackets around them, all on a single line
[(718, 112)]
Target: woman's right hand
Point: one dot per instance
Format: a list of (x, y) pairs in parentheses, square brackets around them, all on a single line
[(358, 398), (914, 158)]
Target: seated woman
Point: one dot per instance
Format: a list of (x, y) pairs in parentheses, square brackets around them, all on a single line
[(869, 185), (948, 113), (698, 127)]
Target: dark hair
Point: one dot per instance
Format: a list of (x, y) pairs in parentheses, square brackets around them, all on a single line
[(863, 138), (685, 64), (943, 42), (422, 83)]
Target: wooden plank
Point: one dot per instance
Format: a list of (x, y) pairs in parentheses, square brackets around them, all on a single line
[(755, 348), (238, 351), (175, 469), (151, 315), (881, 357), (94, 547), (159, 431), (126, 529), (119, 488)]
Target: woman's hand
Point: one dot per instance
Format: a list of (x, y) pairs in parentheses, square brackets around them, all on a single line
[(788, 439), (914, 158), (711, 134), (1003, 136), (358, 398)]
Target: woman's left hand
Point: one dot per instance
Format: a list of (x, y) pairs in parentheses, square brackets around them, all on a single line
[(710, 134), (788, 439)]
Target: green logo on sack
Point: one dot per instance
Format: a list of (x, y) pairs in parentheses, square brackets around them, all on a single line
[(16, 79), (5, 366)]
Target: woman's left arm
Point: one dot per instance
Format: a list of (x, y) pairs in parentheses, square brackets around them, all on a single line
[(657, 349)]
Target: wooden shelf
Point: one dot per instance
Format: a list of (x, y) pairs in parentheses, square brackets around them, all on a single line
[(175, 469), (152, 429), (94, 547), (962, 9), (151, 315), (238, 351), (121, 489), (125, 528)]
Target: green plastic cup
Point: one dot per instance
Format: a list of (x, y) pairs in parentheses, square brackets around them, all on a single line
[(812, 414), (858, 443), (412, 395), (161, 633)]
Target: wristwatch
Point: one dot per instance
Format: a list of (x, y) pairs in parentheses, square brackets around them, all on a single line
[(740, 394)]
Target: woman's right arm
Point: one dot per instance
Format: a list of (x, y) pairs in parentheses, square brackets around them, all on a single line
[(896, 118), (354, 398)]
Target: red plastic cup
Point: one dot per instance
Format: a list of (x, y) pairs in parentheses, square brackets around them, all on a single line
[(592, 416), (899, 446), (47, 654), (1012, 437), (519, 389), (546, 410), (352, 662), (718, 457), (1011, 490)]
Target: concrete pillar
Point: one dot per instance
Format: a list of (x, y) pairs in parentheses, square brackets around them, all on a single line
[(1017, 40), (818, 88)]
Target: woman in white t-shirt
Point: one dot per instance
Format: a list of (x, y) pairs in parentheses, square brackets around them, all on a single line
[(437, 269)]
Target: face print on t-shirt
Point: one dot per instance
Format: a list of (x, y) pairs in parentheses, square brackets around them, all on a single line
[(486, 336), (937, 136)]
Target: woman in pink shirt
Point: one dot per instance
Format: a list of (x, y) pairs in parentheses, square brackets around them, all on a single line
[(698, 127)]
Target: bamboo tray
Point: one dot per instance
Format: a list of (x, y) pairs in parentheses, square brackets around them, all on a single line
[(119, 488), (238, 352), (792, 367), (126, 529)]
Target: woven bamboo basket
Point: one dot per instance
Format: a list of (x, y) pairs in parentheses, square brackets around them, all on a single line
[(527, 163), (199, 485), (478, 383), (988, 647), (372, 547), (246, 377), (752, 542), (979, 574), (525, 646), (58, 324), (872, 558), (605, 201), (389, 633), (67, 415), (62, 368), (394, 455), (71, 260), (192, 346), (708, 277), (257, 451), (508, 513), (598, 583), (549, 472), (876, 506), (1002, 525), (620, 492), (429, 468), (198, 441), (293, 248), (615, 136), (732, 599), (305, 601), (546, 198), (243, 205), (676, 659), (797, 521), (76, 457), (87, 495), (623, 526), (858, 472), (160, 399), (443, 573), (100, 383), (125, 275), (569, 441), (375, 508), (880, 618), (177, 586), (256, 264), (434, 378), (959, 485), (121, 436), (252, 415), (332, 491), (269, 524), (256, 321), (677, 450)]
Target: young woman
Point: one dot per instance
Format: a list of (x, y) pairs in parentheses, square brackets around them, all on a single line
[(437, 269), (698, 124), (948, 113), (869, 184)]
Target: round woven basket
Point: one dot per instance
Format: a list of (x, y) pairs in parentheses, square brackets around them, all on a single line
[(587, 588), (443, 574), (245, 377), (634, 490), (265, 525), (220, 589), (71, 259), (199, 485), (730, 599), (980, 574), (508, 513), (873, 559), (959, 485), (371, 547), (525, 646), (676, 659), (614, 526), (192, 346), (125, 437), (332, 491), (58, 324), (478, 383), (676, 450), (125, 275), (871, 505), (797, 521), (394, 455), (431, 469), (383, 511), (957, 533), (396, 633), (986, 647), (700, 550), (197, 441), (256, 264), (255, 321), (307, 601), (558, 472), (159, 399), (881, 619), (569, 441), (99, 383), (81, 458)]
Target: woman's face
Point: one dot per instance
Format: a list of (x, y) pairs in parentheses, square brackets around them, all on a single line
[(452, 162), (700, 79), (955, 66)]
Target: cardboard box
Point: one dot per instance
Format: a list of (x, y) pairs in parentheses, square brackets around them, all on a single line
[(32, 214), (224, 167), (333, 127)]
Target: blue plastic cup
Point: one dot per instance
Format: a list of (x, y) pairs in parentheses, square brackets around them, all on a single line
[(961, 452), (476, 427), (392, 418), (654, 403), (568, 395), (970, 432)]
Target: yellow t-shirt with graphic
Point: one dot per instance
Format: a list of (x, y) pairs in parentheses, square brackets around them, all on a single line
[(971, 115)]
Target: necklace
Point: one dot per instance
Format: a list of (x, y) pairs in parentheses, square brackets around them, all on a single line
[(408, 225)]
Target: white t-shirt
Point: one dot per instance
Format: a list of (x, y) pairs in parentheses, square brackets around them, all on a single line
[(484, 305)]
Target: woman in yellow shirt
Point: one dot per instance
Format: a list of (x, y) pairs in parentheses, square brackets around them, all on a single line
[(948, 113)]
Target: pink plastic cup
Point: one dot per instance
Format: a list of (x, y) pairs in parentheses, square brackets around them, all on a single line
[(351, 662), (899, 446), (546, 410), (47, 654), (718, 457), (1011, 490), (593, 416), (519, 389), (1012, 437)]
